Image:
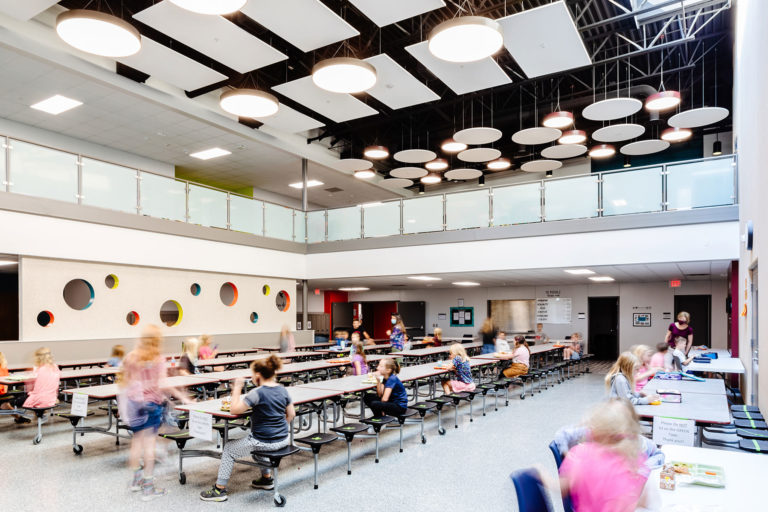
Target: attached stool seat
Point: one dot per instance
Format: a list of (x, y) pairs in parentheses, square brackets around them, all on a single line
[(74, 420), (440, 402), (747, 416), (180, 438), (401, 423), (40, 414), (348, 432), (271, 460), (757, 424), (315, 442), (422, 408), (753, 445)]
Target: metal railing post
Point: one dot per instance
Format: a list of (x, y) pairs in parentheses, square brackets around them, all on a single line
[(490, 207), (7, 158), (79, 194), (599, 194), (138, 192), (664, 201), (229, 216)]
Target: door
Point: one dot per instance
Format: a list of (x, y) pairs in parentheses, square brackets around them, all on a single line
[(341, 316), (414, 316), (700, 308), (603, 325), (754, 345)]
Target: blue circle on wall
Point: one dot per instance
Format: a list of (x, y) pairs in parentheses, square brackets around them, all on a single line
[(195, 289), (254, 317)]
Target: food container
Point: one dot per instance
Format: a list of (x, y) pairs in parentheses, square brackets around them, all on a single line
[(226, 404), (667, 478)]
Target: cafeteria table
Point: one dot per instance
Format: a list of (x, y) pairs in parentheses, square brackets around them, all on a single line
[(709, 386)]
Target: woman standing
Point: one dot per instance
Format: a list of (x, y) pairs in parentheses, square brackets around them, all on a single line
[(397, 333), (681, 328), (488, 332)]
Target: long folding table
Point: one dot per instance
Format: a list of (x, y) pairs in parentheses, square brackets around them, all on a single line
[(709, 386)]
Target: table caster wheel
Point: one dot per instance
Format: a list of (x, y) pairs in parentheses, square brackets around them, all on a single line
[(78, 449), (441, 431), (182, 478), (37, 439), (522, 397), (423, 440), (280, 500)]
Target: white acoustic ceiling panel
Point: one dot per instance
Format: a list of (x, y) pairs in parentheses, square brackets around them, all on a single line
[(161, 62), (306, 24), (461, 78), (25, 9), (290, 120), (384, 13), (213, 36), (336, 107), (544, 40), (395, 87)]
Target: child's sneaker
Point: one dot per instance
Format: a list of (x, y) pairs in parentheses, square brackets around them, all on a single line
[(214, 494), (138, 480), (267, 483), (150, 492)]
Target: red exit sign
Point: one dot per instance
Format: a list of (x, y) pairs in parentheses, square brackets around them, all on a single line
[(675, 283)]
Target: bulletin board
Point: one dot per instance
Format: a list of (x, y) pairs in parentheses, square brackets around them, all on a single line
[(463, 317)]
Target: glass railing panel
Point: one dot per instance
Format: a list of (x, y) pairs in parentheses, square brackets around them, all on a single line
[(278, 221), (636, 191), (517, 204), (570, 198), (299, 226), (344, 223), (109, 186), (381, 219), (3, 176), (163, 197), (423, 214), (246, 215), (467, 210), (316, 226), (207, 207), (700, 184), (43, 172)]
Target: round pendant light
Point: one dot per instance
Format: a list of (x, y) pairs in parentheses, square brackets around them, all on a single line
[(477, 135), (396, 182), (662, 100), (415, 156), (365, 174), (717, 148), (612, 108), (408, 173), (438, 164), (676, 134), (431, 179), (98, 33), (452, 146), (465, 39), (697, 117), (208, 7), (562, 151), (249, 103), (376, 152), (560, 120), (644, 147), (573, 137), (500, 164), (463, 174), (536, 136), (541, 165), (477, 155), (344, 75), (352, 164), (602, 151), (618, 132)]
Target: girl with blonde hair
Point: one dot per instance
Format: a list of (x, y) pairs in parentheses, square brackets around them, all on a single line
[(620, 381), (188, 361), (461, 372), (644, 371)]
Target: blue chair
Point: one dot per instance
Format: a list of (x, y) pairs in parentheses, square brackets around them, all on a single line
[(567, 505), (531, 496)]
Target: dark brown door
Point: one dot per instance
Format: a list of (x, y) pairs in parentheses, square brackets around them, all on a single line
[(700, 308), (414, 315), (603, 324)]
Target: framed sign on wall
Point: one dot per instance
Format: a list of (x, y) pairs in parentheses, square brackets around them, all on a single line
[(462, 317), (641, 319)]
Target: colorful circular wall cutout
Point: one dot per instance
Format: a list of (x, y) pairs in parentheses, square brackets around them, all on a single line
[(45, 318), (283, 301), (132, 318), (195, 289), (78, 294), (228, 294), (265, 289), (111, 281), (254, 317), (171, 313)]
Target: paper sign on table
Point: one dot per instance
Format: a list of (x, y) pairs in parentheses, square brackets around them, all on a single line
[(79, 405), (201, 425), (673, 431)]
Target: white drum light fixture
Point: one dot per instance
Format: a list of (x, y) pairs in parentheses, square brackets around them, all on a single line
[(438, 164), (365, 174), (431, 179), (602, 151), (572, 137), (376, 152), (451, 146), (561, 119), (676, 134), (98, 33), (465, 39), (249, 103), (661, 101), (344, 75), (210, 7), (500, 164)]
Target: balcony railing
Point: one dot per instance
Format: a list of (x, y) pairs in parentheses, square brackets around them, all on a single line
[(41, 171)]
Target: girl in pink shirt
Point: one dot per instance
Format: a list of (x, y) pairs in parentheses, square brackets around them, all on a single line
[(646, 370), (44, 390), (607, 472), (659, 359)]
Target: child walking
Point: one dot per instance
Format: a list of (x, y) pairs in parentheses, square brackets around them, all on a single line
[(461, 378)]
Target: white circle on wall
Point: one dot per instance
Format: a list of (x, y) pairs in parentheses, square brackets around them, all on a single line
[(564, 151), (541, 165), (408, 172), (612, 108), (478, 135), (479, 155), (644, 147), (535, 136), (415, 156), (353, 164), (696, 117), (396, 182), (618, 132), (463, 174)]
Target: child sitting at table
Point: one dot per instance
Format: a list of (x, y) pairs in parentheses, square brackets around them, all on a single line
[(188, 361), (206, 351), (116, 359), (359, 364), (4, 373), (271, 415), (679, 361), (574, 351), (390, 397), (436, 340), (662, 358), (645, 371), (502, 345), (461, 377), (620, 381), (521, 358), (607, 473)]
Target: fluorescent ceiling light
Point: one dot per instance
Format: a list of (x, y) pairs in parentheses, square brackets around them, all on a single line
[(354, 289), (8, 263), (572, 137), (438, 164), (676, 134), (500, 164), (661, 101), (602, 279), (249, 103), (431, 179), (376, 152), (209, 7), (344, 75), (424, 278), (602, 151), (579, 271), (365, 174), (560, 119), (98, 33), (466, 283), (310, 184), (210, 153), (452, 146), (56, 104), (465, 39)]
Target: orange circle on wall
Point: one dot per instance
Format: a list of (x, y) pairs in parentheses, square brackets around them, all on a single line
[(228, 294), (132, 318), (283, 301), (44, 318)]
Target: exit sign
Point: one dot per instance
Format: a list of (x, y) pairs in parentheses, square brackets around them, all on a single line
[(675, 283)]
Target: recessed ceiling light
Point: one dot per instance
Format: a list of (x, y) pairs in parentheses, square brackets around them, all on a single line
[(376, 152), (572, 137), (465, 39), (452, 146), (424, 278), (208, 7), (500, 164), (662, 101), (344, 75), (431, 179), (249, 103), (210, 153), (98, 33), (560, 119), (602, 151), (365, 174), (438, 164), (602, 279), (579, 271), (354, 289), (310, 184), (676, 134), (466, 283), (56, 104)]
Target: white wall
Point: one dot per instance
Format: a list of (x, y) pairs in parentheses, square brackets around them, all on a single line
[(659, 296)]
